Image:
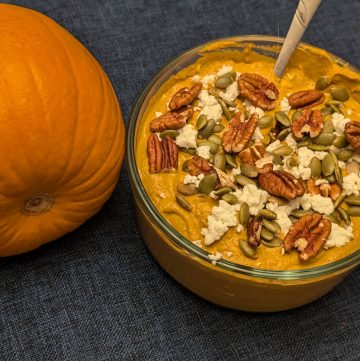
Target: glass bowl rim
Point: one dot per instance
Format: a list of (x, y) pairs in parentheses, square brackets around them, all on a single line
[(179, 240)]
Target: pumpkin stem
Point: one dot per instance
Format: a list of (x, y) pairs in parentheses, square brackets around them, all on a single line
[(38, 204)]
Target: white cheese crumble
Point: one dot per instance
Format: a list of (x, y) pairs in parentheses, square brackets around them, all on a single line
[(282, 218), (351, 184), (221, 218), (208, 79), (339, 236), (213, 195), (231, 92), (305, 155), (206, 99), (349, 112), (339, 122), (257, 134), (158, 114), (211, 107), (272, 146), (228, 254), (193, 179), (342, 165), (253, 196), (321, 181), (196, 78), (239, 228), (290, 141), (197, 243), (284, 105), (187, 137), (215, 257), (252, 109), (203, 151), (162, 195), (318, 203), (224, 69)]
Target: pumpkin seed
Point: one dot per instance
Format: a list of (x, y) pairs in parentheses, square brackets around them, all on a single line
[(322, 82), (183, 202), (214, 91), (224, 81), (319, 147), (243, 181), (195, 102), (324, 139), (220, 160), (278, 200), (335, 102), (247, 249), (211, 159), (298, 213), (215, 139), (303, 143), (267, 214), (187, 189), (207, 130), (229, 103), (222, 191), (277, 159), (213, 146), (338, 176), (291, 162), (296, 115), (339, 93), (230, 161), (244, 214), (335, 108), (283, 134), (340, 141), (326, 111), (275, 242), (327, 165), (331, 178), (283, 150), (225, 109), (218, 128), (191, 151), (354, 211), (271, 226), (345, 154), (230, 198), (185, 166), (315, 166), (201, 121), (334, 217), (283, 119), (353, 200), (232, 74), (206, 185), (265, 234), (340, 199), (345, 217), (169, 133), (248, 170), (265, 121)]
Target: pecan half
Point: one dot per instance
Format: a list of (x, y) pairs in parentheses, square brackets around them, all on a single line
[(352, 134), (258, 90), (253, 153), (306, 98), (308, 235), (281, 184), (198, 165), (171, 120), (310, 121), (238, 133), (326, 190), (253, 231), (184, 96), (162, 155)]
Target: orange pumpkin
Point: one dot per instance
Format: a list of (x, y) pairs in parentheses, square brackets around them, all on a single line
[(61, 129)]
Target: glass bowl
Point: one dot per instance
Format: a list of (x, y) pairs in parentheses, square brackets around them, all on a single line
[(227, 284)]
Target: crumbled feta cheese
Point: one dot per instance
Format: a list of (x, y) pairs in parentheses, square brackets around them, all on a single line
[(234, 172), (321, 181), (252, 109), (221, 218), (215, 257), (282, 218), (339, 236), (197, 109), (162, 195), (238, 75), (187, 137), (342, 165), (305, 155), (351, 184), (231, 92), (193, 179), (208, 79), (349, 112), (290, 141), (257, 134), (339, 122), (158, 135), (203, 151), (284, 105), (228, 254), (196, 78), (239, 228), (212, 112), (224, 69), (197, 243), (317, 202), (206, 99), (272, 146), (253, 196), (213, 195), (158, 114)]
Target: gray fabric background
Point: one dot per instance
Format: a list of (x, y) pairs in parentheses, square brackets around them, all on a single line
[(97, 294)]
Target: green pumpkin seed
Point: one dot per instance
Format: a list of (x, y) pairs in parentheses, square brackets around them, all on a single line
[(326, 111), (339, 93), (225, 109), (283, 119), (277, 200), (247, 249), (340, 199), (248, 170), (213, 146), (322, 82), (340, 141), (230, 198), (201, 121), (291, 162), (207, 130), (296, 115), (298, 213), (353, 200), (169, 133), (243, 181), (303, 143), (187, 189), (218, 128), (244, 214), (267, 214), (335, 102), (315, 166), (211, 159), (277, 159), (339, 176), (183, 202), (335, 108), (207, 184), (283, 134), (229, 103), (324, 139), (220, 192), (224, 81), (214, 92), (191, 151), (331, 178), (230, 161), (232, 74), (345, 217), (283, 150), (327, 165), (345, 154), (265, 234), (271, 226), (319, 147), (334, 217), (215, 139), (185, 166), (265, 121), (275, 242), (220, 161), (354, 211)]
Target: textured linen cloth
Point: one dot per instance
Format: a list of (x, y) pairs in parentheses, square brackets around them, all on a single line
[(97, 294)]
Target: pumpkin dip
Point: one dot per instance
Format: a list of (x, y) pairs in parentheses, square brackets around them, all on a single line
[(257, 170)]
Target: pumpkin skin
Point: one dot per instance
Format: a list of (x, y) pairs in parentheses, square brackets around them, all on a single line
[(62, 135)]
